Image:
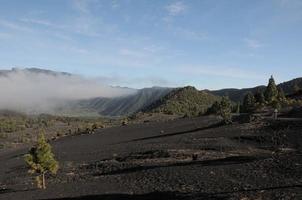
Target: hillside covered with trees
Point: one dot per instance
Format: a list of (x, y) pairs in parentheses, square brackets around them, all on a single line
[(186, 101)]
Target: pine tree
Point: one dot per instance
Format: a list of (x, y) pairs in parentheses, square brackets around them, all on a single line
[(248, 102), (225, 110), (41, 161), (271, 92)]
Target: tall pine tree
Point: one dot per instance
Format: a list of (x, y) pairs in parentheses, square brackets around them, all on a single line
[(225, 110), (271, 92)]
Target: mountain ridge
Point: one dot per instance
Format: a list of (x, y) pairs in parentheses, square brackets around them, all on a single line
[(238, 94)]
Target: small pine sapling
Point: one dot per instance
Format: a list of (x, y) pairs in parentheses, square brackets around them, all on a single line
[(41, 161)]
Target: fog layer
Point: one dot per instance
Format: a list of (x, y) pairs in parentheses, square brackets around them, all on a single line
[(31, 91)]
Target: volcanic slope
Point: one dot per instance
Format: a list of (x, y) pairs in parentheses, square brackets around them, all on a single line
[(191, 158)]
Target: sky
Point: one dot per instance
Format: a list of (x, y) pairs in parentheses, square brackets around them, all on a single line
[(209, 44)]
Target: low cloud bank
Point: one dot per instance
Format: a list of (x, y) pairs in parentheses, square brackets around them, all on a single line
[(32, 90)]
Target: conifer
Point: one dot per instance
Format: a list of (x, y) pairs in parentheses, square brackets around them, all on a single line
[(225, 110), (248, 102), (271, 92), (41, 161)]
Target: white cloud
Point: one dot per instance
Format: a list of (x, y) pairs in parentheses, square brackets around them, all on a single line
[(36, 21), (252, 43), (43, 23), (14, 26), (176, 8), (85, 23)]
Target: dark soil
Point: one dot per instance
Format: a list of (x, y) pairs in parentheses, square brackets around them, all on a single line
[(182, 159)]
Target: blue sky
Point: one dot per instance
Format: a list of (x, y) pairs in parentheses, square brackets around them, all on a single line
[(140, 43)]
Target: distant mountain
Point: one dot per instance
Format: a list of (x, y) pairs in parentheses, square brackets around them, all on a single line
[(238, 94), (296, 95), (289, 86), (33, 70), (125, 105), (183, 101)]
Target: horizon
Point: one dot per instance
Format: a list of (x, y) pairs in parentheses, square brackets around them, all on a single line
[(98, 81), (138, 44)]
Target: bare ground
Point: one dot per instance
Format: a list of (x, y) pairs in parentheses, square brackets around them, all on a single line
[(181, 159)]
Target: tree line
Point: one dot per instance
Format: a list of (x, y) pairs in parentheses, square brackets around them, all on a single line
[(272, 96)]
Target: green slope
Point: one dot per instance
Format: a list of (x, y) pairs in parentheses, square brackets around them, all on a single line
[(183, 101)]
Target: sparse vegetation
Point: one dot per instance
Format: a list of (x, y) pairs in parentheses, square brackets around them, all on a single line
[(19, 129)]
